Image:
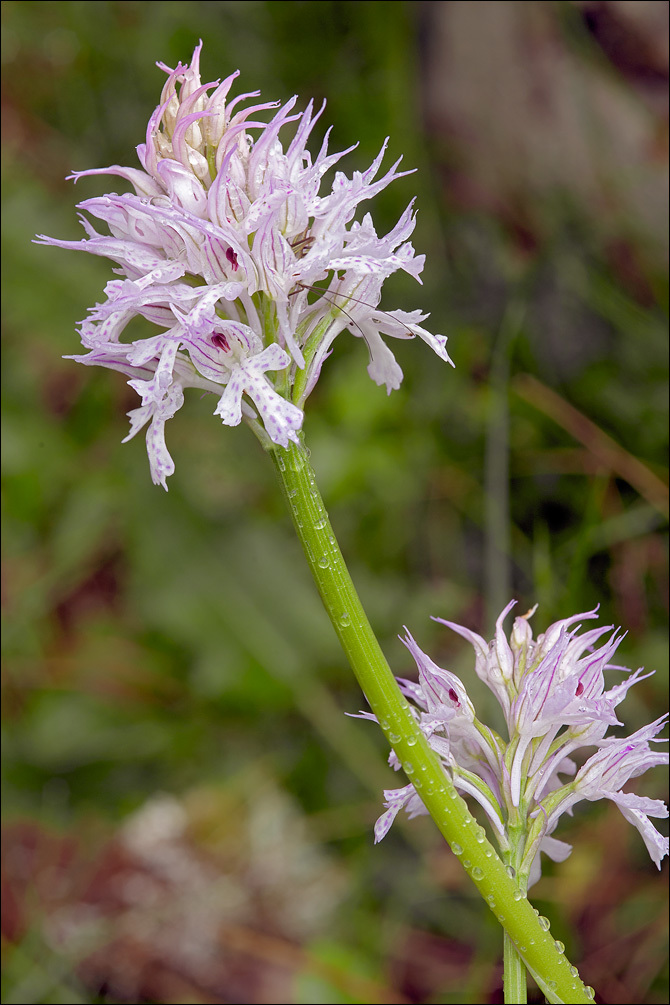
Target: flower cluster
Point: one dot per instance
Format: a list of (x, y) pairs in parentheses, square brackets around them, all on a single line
[(221, 246), (551, 691)]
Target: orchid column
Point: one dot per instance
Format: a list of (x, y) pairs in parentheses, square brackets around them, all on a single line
[(248, 274)]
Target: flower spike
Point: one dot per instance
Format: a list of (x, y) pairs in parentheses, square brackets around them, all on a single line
[(552, 694), (226, 226)]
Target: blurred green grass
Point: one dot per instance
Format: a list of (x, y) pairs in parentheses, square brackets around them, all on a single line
[(174, 643)]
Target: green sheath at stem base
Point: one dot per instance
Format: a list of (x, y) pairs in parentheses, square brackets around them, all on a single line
[(467, 839)]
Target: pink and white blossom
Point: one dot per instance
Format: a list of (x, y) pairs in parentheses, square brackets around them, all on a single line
[(221, 245), (554, 700)]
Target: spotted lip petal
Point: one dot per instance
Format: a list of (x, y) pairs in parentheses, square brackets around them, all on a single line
[(552, 694), (221, 213)]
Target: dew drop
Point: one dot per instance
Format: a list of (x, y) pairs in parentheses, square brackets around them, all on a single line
[(518, 895), (480, 836), (511, 871), (280, 463), (477, 873), (491, 899), (501, 917), (320, 523), (531, 942), (544, 923), (324, 561), (574, 972), (467, 819), (456, 848), (590, 993), (382, 722), (344, 621), (488, 852), (522, 948), (467, 863), (411, 741), (559, 945), (408, 767), (551, 985), (292, 493), (394, 738), (453, 794)]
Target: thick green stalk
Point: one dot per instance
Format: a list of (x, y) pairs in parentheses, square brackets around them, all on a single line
[(536, 946)]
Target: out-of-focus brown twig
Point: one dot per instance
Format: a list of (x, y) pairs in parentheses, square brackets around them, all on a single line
[(607, 451)]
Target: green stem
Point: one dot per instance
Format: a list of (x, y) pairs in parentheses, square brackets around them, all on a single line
[(514, 971), (559, 982), (514, 974), (496, 467)]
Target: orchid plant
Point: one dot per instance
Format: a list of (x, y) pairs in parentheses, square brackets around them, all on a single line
[(248, 272)]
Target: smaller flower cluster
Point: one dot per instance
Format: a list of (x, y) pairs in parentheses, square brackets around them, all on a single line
[(552, 694), (221, 245)]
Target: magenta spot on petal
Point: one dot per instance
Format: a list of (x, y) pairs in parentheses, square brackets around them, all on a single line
[(220, 341), (580, 689), (232, 258), (453, 696)]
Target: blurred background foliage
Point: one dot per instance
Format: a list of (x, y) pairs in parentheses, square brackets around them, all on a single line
[(188, 811)]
